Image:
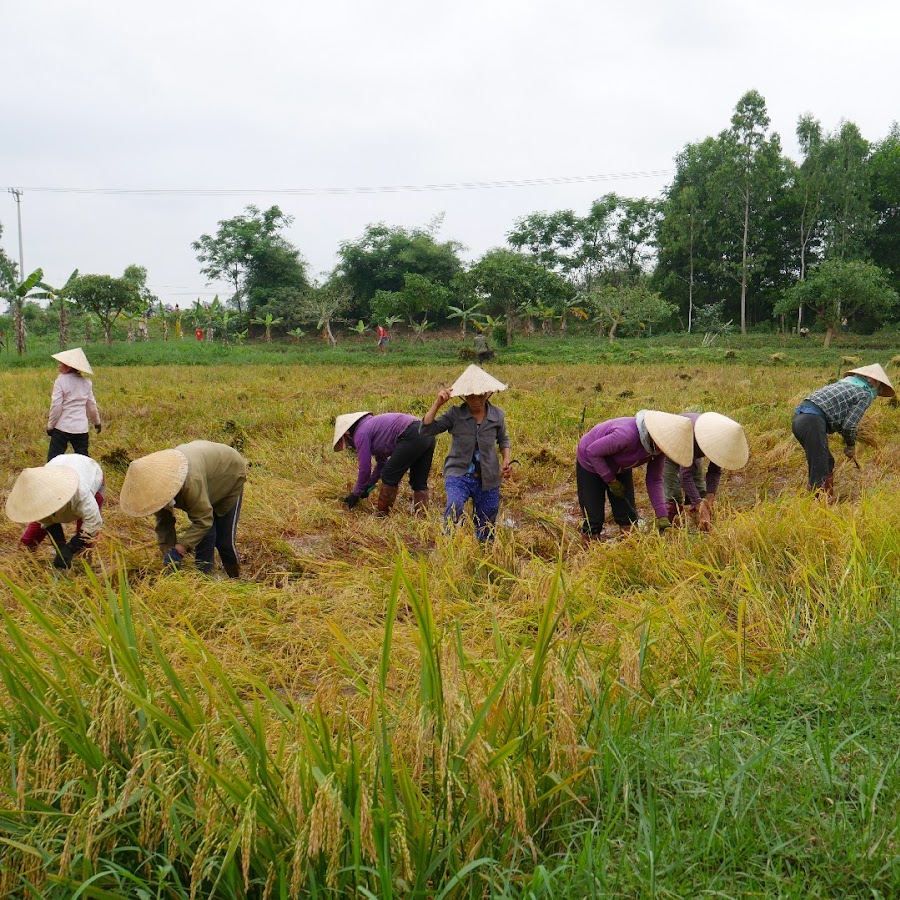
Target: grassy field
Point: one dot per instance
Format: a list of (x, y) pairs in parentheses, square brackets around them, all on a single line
[(382, 709)]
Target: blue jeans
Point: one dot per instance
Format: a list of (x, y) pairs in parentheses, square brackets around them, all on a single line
[(486, 504)]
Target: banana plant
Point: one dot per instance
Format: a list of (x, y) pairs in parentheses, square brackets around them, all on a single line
[(465, 314), (267, 321), (17, 292), (57, 296)]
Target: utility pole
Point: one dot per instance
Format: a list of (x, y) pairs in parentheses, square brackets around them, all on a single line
[(17, 193)]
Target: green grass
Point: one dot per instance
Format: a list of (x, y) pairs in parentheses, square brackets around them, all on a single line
[(790, 788), (445, 347)]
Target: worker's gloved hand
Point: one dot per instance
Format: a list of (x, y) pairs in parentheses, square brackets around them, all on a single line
[(617, 489), (98, 428), (850, 452), (63, 558), (172, 559), (351, 500), (78, 544), (663, 524), (369, 490)]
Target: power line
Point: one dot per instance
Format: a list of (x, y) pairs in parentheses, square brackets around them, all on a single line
[(379, 189)]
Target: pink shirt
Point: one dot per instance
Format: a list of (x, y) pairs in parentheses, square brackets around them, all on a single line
[(72, 404)]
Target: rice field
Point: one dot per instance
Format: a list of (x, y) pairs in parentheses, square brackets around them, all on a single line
[(377, 707)]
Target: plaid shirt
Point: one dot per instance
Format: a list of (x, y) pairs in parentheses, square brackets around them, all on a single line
[(843, 404)]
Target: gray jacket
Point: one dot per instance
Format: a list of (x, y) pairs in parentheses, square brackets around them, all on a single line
[(490, 435)]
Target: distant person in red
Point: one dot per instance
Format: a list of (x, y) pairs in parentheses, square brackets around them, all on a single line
[(383, 338), (199, 334)]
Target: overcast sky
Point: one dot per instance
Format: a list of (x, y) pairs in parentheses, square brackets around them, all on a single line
[(271, 96)]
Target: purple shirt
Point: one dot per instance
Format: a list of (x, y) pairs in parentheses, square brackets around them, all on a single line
[(377, 436), (614, 446)]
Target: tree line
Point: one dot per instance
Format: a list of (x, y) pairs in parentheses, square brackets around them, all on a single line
[(743, 234)]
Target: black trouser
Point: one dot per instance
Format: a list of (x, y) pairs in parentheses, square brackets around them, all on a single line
[(413, 453), (220, 537), (810, 430), (592, 494), (59, 440)]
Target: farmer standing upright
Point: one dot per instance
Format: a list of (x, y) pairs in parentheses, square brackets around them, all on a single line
[(204, 479), (472, 470), (836, 407), (72, 405)]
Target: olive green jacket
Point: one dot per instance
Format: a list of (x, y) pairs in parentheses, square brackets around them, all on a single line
[(215, 479)]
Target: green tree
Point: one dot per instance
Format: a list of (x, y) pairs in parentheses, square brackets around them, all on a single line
[(276, 279), (849, 219), (105, 297), (505, 281), (323, 306), (884, 175), (840, 288), (632, 306), (418, 298), (748, 181), (239, 244), (613, 241), (382, 258)]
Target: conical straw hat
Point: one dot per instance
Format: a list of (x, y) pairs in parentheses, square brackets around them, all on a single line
[(475, 381), (672, 434), (722, 440), (344, 422), (152, 481), (886, 389), (39, 493), (75, 359)]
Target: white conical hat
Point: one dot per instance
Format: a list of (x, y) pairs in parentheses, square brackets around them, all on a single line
[(39, 493), (152, 481), (475, 381), (672, 434), (344, 422), (875, 371), (722, 440), (75, 359)]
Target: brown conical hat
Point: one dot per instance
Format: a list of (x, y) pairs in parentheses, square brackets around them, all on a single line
[(475, 381), (343, 423), (885, 388), (41, 492), (672, 434), (722, 440), (152, 481), (75, 359)]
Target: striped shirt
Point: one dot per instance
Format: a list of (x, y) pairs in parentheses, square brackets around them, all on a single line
[(843, 404)]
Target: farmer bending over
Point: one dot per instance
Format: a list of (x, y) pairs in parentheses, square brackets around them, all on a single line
[(836, 407), (204, 479), (609, 452), (723, 442), (398, 447), (69, 488)]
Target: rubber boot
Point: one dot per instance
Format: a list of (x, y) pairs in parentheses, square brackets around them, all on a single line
[(387, 494), (232, 570), (826, 491), (420, 501)]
